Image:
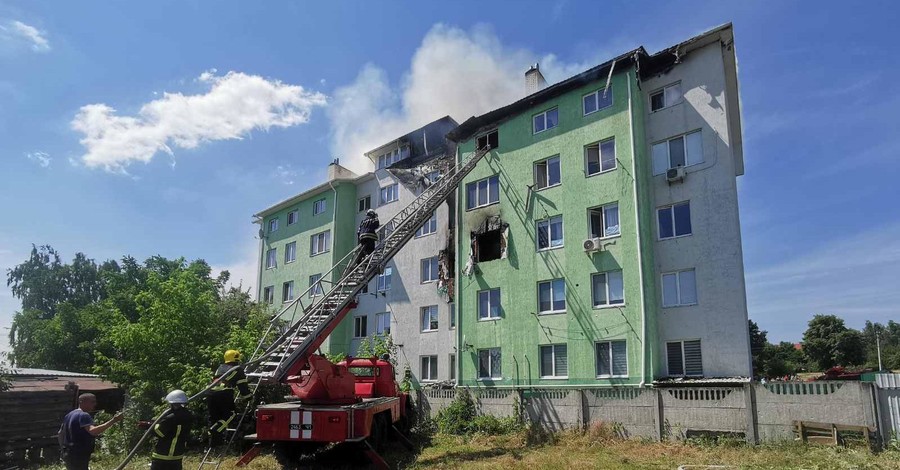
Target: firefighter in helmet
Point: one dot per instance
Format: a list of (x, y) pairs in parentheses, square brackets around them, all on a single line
[(367, 235), (173, 431), (221, 399)]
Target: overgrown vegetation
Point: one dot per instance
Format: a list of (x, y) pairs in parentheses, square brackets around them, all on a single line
[(461, 418)]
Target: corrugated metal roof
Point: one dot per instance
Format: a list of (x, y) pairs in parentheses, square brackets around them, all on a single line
[(887, 380), (29, 372)]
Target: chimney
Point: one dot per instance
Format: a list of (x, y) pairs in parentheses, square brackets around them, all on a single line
[(534, 80), (336, 171)]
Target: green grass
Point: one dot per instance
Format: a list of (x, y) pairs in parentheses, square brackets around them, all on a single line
[(593, 449)]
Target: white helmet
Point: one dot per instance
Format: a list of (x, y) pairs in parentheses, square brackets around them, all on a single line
[(177, 397), (371, 213)]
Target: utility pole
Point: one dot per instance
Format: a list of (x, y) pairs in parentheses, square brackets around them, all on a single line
[(878, 346)]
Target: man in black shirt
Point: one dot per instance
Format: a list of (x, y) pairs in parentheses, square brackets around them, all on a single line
[(77, 433)]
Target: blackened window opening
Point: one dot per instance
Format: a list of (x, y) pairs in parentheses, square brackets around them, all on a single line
[(488, 245), (491, 139)]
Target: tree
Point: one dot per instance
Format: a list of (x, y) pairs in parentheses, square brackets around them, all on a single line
[(758, 343), (889, 338), (827, 342)]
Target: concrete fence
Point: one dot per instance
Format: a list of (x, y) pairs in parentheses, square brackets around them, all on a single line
[(758, 412)]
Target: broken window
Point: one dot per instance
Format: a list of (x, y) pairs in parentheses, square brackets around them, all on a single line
[(489, 242), (491, 138), (488, 246)]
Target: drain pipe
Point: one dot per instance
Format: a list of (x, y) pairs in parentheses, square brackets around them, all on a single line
[(637, 219)]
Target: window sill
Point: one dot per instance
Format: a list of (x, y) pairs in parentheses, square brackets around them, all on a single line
[(315, 214), (286, 301), (384, 203), (601, 172), (554, 377), (482, 207), (684, 166), (673, 238), (430, 331), (425, 234), (612, 377), (668, 107), (489, 379), (289, 262), (319, 253), (541, 250), (428, 282), (543, 130), (489, 319), (552, 312), (681, 305), (548, 187), (610, 237), (607, 307), (273, 267)]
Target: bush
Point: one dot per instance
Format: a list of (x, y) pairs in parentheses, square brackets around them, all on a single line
[(462, 417), (494, 426)]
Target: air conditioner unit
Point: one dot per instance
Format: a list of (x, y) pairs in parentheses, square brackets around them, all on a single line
[(592, 244), (675, 175)]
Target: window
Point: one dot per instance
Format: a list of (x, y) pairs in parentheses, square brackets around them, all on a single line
[(429, 269), (483, 192), (429, 227), (546, 120), (489, 246), (452, 312), (679, 288), (290, 252), (383, 281), (270, 258), (684, 357), (292, 217), (429, 369), (489, 363), (550, 233), (489, 304), (387, 159), (287, 291), (320, 243), (597, 100), (552, 296), (365, 204), (452, 367), (389, 193), (600, 157), (554, 363), (269, 294), (674, 221), (319, 207), (315, 285), (684, 150), (546, 173), (383, 323), (604, 221), (360, 326), (430, 318), (668, 96), (491, 138), (607, 289), (612, 359), (273, 225)]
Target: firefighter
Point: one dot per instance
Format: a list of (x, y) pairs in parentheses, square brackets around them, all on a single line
[(367, 236), (173, 430), (221, 401)]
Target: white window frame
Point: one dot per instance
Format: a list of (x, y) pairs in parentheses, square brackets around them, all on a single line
[(608, 303), (678, 292), (295, 215), (429, 270), (432, 314), (478, 192), (546, 163), (321, 238), (391, 189), (543, 115), (687, 155), (683, 362), (360, 322), (290, 252), (488, 316), (383, 323), (269, 295), (671, 209), (389, 158), (289, 288), (596, 94), (364, 201), (272, 258), (429, 227), (553, 353), (451, 362), (273, 225), (487, 139), (599, 144), (320, 206), (383, 280), (604, 219), (432, 375), (490, 364), (611, 375), (663, 90), (315, 284), (552, 283), (549, 223)]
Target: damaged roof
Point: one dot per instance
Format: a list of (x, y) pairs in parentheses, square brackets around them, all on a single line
[(647, 65), (428, 139)]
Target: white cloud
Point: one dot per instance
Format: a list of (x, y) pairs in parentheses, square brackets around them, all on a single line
[(18, 31), (235, 105), (41, 158), (455, 72), (286, 174), (243, 270), (852, 276)]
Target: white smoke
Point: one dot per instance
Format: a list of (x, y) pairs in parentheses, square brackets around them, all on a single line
[(453, 72)]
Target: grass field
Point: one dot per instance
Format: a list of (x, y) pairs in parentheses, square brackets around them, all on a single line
[(587, 451)]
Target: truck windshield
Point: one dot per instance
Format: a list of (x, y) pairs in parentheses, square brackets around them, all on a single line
[(364, 371)]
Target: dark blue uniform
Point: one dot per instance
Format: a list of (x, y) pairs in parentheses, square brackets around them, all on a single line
[(77, 442)]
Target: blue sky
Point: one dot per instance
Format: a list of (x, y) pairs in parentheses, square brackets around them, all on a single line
[(120, 131)]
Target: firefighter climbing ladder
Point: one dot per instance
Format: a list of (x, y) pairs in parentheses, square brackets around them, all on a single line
[(305, 327)]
